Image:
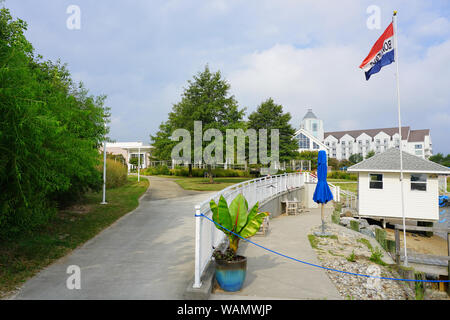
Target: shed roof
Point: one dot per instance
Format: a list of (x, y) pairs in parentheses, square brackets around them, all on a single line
[(389, 161)]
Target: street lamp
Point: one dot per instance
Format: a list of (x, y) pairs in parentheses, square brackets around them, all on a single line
[(139, 162), (104, 169)]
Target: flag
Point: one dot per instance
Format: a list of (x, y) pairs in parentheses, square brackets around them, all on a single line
[(381, 54)]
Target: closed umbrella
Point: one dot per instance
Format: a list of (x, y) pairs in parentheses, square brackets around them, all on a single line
[(322, 194)]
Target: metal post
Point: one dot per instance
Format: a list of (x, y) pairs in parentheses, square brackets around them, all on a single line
[(197, 272), (394, 19), (104, 174), (139, 163)]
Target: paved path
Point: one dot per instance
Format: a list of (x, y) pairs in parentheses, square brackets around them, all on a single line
[(147, 254), (270, 276)]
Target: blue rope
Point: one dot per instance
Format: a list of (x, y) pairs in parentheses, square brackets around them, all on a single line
[(315, 265)]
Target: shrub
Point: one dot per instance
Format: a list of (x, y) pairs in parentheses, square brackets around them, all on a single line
[(158, 170), (50, 131), (342, 175), (376, 257), (218, 172), (351, 257), (116, 173)]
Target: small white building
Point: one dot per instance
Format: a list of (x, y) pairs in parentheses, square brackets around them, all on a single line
[(131, 150), (379, 195)]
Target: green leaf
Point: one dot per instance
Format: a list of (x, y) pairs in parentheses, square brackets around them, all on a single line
[(253, 225), (238, 213), (221, 214)]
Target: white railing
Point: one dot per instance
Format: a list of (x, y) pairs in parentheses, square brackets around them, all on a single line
[(442, 181), (349, 199), (208, 237)]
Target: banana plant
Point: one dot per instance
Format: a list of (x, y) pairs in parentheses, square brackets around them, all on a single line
[(236, 221)]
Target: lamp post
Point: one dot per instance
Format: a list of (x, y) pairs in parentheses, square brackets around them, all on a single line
[(139, 162), (104, 170)]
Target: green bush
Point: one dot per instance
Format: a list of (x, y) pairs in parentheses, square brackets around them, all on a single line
[(342, 175), (218, 172), (158, 170), (116, 173), (50, 132), (376, 257)]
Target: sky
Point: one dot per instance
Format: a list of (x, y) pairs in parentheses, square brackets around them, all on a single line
[(303, 54)]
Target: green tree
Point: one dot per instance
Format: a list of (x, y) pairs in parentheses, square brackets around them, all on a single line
[(370, 154), (355, 158), (50, 131), (344, 163), (439, 158), (309, 155), (333, 163), (269, 115), (206, 99)]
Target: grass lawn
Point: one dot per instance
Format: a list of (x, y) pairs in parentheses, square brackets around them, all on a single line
[(202, 184), (24, 256), (352, 187)]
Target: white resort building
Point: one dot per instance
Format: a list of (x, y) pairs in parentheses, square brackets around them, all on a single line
[(342, 144), (130, 150)]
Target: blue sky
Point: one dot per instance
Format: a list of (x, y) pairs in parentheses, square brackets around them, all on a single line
[(303, 54)]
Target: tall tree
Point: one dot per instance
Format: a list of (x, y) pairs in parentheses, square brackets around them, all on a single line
[(269, 115), (206, 99), (355, 158)]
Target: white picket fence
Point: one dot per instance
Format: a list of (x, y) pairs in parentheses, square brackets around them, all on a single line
[(208, 237)]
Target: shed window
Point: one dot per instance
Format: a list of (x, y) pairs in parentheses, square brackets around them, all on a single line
[(419, 182), (376, 181)]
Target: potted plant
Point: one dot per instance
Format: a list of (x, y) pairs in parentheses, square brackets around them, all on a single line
[(237, 222)]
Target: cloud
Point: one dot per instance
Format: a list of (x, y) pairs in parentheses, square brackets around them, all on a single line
[(301, 53), (327, 79)]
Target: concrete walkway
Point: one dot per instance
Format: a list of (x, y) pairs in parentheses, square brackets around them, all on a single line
[(147, 254), (270, 276)]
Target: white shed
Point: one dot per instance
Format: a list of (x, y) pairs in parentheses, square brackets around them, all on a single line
[(379, 186)]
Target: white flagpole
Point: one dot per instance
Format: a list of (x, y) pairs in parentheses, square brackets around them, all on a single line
[(394, 20)]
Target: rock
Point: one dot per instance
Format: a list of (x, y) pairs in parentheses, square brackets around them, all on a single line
[(345, 221), (368, 232), (363, 223), (372, 227)]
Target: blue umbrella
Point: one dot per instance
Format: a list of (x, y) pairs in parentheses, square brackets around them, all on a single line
[(322, 194)]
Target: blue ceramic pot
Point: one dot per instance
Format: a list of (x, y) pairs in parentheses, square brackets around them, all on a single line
[(231, 274)]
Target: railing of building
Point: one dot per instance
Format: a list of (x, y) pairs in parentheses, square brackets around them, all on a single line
[(349, 199), (208, 237), (442, 183)]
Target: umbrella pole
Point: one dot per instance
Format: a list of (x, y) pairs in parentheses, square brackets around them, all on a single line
[(323, 219)]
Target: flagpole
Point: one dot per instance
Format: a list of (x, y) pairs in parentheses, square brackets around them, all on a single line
[(394, 20)]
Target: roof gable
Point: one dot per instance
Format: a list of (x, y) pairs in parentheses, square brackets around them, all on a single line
[(370, 132)]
